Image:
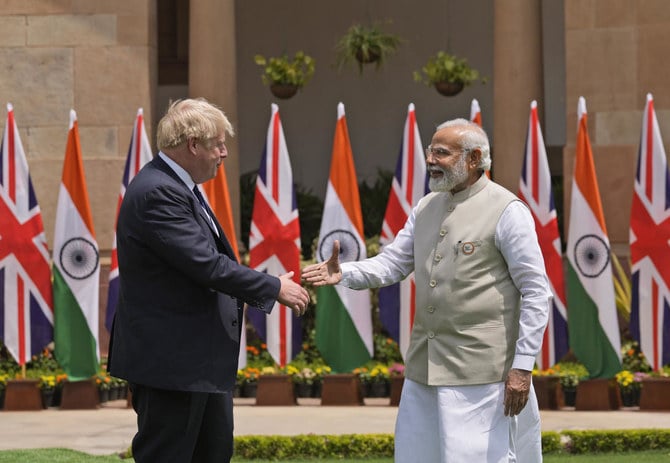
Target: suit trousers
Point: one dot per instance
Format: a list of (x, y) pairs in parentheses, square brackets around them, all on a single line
[(182, 427), (464, 424)]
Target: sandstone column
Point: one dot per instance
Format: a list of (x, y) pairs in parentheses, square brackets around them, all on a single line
[(213, 74), (517, 80)]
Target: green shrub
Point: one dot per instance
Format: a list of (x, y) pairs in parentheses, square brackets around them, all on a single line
[(313, 446), (551, 443), (381, 445), (617, 441)]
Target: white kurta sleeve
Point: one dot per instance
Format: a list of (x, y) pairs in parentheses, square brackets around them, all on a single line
[(393, 264), (517, 241)]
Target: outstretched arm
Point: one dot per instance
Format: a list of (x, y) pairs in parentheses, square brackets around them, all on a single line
[(327, 272)]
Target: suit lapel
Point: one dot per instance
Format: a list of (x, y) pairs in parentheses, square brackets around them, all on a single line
[(222, 243)]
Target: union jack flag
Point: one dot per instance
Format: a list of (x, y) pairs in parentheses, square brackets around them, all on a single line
[(139, 153), (274, 241), (26, 301), (397, 301), (650, 245), (535, 190)]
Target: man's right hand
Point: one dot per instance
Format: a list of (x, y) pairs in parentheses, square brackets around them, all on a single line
[(327, 272), (292, 295)]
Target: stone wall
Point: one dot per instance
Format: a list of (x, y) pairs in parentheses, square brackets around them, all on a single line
[(616, 53), (98, 58), (95, 57)]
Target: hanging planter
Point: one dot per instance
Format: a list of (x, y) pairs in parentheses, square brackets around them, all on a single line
[(283, 91), (363, 45), (286, 76), (449, 88), (447, 73)]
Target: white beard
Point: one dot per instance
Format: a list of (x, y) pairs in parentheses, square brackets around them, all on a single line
[(450, 178)]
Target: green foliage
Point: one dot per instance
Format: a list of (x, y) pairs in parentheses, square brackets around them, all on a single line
[(311, 211), (373, 202), (386, 350), (444, 67), (551, 442), (617, 441), (314, 446), (632, 358), (54, 456), (365, 44), (570, 374), (283, 70), (381, 445)]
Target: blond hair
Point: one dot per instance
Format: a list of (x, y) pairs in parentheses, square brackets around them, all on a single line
[(191, 118)]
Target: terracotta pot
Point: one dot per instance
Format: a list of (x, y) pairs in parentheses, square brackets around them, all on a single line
[(598, 394), (275, 390), (449, 88), (547, 391), (283, 91), (23, 394), (655, 394), (80, 395), (341, 389)]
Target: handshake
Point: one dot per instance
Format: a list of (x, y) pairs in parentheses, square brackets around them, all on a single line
[(324, 273)]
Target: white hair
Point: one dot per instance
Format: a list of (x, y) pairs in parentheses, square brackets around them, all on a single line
[(472, 137)]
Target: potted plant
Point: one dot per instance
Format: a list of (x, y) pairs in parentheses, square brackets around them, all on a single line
[(449, 74), (250, 385), (285, 76), (365, 44), (47, 387), (629, 387), (303, 379), (570, 374), (104, 383), (379, 381)]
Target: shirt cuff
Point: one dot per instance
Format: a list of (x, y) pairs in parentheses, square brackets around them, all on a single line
[(523, 362)]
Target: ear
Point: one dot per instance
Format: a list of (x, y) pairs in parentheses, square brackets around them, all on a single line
[(475, 157), (191, 145)]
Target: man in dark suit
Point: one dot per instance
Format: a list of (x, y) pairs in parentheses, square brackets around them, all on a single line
[(177, 327)]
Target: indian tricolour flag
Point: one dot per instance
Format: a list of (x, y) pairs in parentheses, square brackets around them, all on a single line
[(76, 269), (592, 316), (343, 317)]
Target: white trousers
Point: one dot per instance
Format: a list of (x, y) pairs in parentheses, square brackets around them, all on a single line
[(464, 424)]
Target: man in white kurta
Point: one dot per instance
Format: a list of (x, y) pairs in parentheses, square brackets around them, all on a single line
[(482, 303)]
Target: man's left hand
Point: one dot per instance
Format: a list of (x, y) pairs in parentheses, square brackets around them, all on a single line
[(517, 389)]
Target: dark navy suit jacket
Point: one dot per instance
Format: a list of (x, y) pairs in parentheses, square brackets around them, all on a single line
[(179, 314)]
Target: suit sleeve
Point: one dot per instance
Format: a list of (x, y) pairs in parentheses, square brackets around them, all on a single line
[(170, 228)]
